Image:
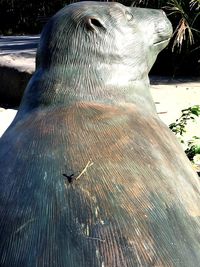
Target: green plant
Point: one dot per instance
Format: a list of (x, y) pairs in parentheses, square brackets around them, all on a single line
[(178, 127), (195, 3), (192, 147)]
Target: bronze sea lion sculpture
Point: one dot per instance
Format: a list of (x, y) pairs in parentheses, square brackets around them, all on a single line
[(90, 176)]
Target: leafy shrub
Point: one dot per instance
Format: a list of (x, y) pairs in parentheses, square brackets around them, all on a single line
[(192, 147)]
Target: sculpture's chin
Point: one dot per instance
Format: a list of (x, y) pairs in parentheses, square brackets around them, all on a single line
[(163, 42)]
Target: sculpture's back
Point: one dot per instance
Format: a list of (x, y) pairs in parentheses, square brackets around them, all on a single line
[(89, 174)]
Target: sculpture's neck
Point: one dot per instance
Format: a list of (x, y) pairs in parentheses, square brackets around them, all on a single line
[(111, 84)]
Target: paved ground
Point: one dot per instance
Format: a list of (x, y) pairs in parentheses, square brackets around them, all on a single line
[(173, 95), (25, 45), (19, 52)]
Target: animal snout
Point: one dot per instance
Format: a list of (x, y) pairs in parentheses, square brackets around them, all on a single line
[(163, 26)]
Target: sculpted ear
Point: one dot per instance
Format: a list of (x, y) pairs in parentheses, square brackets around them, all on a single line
[(94, 24)]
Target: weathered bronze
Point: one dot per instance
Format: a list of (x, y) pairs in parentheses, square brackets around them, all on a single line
[(89, 175)]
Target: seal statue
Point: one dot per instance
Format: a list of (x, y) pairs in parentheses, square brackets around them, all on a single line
[(90, 176)]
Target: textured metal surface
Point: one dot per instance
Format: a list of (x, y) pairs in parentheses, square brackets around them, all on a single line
[(89, 174)]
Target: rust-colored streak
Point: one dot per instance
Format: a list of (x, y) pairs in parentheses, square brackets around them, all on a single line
[(117, 141)]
